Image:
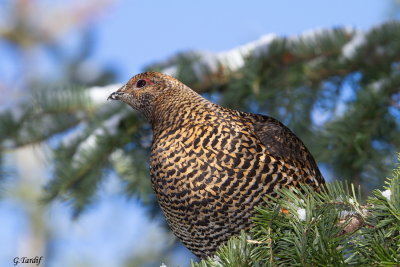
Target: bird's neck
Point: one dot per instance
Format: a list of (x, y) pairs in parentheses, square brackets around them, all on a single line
[(179, 110)]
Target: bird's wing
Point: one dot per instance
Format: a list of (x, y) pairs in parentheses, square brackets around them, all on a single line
[(281, 142)]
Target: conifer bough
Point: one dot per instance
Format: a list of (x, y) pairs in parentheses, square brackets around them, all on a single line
[(211, 166)]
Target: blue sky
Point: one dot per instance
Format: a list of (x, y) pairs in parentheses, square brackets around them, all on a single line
[(135, 33), (132, 34)]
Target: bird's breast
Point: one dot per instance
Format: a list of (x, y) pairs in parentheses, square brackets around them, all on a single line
[(204, 168), (209, 178)]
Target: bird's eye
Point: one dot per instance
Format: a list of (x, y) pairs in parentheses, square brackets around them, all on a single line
[(140, 83)]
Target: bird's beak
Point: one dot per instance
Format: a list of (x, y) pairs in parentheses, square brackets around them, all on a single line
[(117, 94)]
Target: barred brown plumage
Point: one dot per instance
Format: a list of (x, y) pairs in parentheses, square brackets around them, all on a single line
[(210, 165)]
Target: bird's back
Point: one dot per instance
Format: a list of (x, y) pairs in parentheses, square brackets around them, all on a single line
[(210, 166)]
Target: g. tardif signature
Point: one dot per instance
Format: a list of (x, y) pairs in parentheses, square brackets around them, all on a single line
[(36, 260)]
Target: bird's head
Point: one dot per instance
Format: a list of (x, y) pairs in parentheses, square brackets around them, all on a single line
[(143, 90)]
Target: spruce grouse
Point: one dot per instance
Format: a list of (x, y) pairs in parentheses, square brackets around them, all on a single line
[(210, 165)]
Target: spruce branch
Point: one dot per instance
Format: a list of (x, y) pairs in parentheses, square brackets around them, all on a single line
[(332, 229)]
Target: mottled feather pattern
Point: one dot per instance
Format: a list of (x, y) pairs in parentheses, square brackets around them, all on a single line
[(209, 165)]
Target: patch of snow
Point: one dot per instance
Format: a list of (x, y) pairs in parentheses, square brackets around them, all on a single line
[(117, 155), (301, 213), (90, 142), (216, 258), (313, 33), (387, 194), (309, 34), (111, 124), (377, 85), (99, 94), (87, 144), (109, 127), (171, 71), (349, 50), (234, 59)]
